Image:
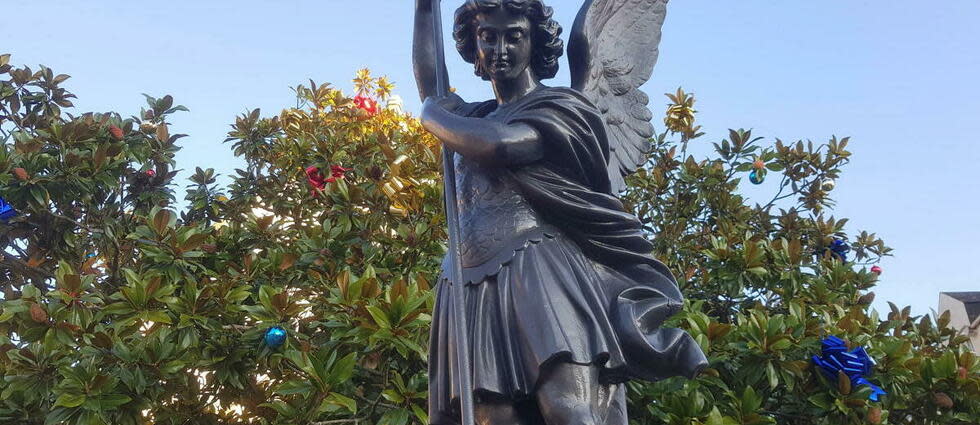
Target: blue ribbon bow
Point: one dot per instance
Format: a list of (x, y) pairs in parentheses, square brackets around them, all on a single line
[(840, 249), (856, 364), (7, 211)]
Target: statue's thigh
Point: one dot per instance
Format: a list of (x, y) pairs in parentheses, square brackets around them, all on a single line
[(613, 405), (500, 413), (570, 394)]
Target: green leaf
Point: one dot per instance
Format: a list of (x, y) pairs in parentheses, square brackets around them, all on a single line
[(822, 400), (132, 278), (781, 344), (945, 366), (70, 400), (392, 396), (339, 400), (30, 292), (772, 375), (58, 415), (117, 308), (112, 401), (750, 401), (342, 370), (282, 408), (379, 316), (40, 196), (395, 417), (715, 418), (172, 367), (294, 386), (265, 296), (158, 316)]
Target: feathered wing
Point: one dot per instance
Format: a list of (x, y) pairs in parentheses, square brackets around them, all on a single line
[(612, 49)]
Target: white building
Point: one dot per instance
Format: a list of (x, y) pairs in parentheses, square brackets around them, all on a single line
[(964, 314)]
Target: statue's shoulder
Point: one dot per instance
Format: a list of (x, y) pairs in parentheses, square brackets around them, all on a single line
[(545, 96), (568, 97), (560, 92)]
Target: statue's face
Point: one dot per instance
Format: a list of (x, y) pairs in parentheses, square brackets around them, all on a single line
[(503, 43)]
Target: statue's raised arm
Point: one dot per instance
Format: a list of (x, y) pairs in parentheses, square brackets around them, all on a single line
[(612, 50)]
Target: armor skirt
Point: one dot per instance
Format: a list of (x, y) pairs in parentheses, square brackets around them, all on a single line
[(544, 304)]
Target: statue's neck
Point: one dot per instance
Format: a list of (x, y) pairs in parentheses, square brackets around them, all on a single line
[(510, 90)]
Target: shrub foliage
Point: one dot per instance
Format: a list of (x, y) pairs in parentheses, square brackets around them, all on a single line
[(123, 306)]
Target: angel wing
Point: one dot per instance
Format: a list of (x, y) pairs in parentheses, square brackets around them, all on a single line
[(612, 50)]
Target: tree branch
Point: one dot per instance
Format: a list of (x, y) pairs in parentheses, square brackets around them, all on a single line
[(37, 276)]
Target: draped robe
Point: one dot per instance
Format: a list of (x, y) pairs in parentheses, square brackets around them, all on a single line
[(573, 281)]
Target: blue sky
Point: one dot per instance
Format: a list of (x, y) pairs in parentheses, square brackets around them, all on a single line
[(899, 77)]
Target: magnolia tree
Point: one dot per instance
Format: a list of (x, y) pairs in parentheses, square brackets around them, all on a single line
[(300, 293)]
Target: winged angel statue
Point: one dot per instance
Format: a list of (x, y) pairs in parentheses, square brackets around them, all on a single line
[(550, 300)]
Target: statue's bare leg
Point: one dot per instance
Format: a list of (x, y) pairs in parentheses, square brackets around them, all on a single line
[(613, 404), (502, 413), (571, 394)]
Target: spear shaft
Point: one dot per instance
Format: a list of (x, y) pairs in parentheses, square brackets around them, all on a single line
[(459, 326)]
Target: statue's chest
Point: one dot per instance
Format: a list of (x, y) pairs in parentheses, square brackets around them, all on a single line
[(492, 213)]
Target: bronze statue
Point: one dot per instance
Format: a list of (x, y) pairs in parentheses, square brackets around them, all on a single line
[(560, 298)]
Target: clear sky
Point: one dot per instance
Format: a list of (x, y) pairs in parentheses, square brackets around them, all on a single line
[(899, 77)]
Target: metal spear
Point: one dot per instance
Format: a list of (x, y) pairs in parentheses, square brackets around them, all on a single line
[(452, 220)]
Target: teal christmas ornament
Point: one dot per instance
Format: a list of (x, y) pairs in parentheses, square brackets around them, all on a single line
[(275, 336), (757, 176)]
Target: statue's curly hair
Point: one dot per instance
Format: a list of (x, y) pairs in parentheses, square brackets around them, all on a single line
[(548, 46)]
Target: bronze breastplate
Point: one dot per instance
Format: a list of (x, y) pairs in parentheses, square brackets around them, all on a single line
[(492, 214)]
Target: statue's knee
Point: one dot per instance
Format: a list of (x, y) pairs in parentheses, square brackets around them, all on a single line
[(569, 411), (496, 414)]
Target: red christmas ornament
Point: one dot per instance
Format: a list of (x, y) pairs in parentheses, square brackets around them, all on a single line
[(116, 132), (315, 179), (337, 172), (366, 103), (151, 173), (318, 181), (876, 270)]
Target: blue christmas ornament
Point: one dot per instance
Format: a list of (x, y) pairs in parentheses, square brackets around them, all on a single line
[(757, 176), (856, 364), (275, 337), (7, 211)]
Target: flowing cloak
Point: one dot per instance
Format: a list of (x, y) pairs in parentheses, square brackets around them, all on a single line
[(584, 289)]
